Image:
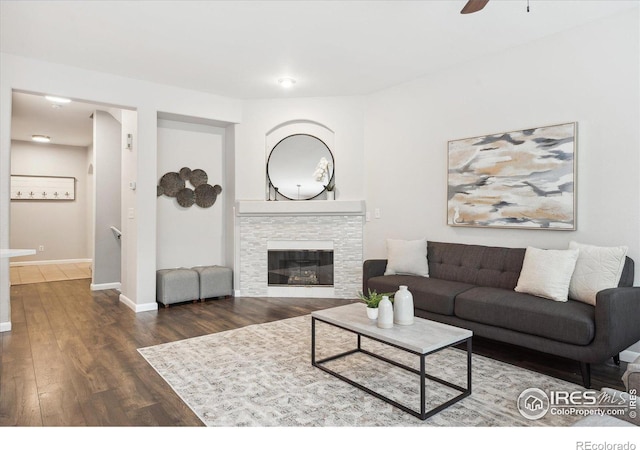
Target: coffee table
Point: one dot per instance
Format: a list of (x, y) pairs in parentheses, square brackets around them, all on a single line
[(422, 338)]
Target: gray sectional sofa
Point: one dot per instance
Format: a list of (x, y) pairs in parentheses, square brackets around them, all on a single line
[(472, 286)]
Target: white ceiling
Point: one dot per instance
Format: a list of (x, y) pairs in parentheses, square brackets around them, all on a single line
[(69, 124), (240, 48)]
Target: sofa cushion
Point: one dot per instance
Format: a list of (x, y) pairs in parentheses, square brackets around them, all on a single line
[(407, 257), (429, 294), (571, 321), (547, 273), (597, 268), (475, 264)]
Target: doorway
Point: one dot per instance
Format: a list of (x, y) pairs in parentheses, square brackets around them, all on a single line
[(80, 141)]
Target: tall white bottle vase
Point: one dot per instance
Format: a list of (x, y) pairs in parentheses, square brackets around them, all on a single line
[(385, 313), (403, 306)]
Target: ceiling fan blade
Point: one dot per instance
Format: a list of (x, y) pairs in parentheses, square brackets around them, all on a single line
[(474, 6)]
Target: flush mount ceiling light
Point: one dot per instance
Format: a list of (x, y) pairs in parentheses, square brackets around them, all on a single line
[(40, 138), (57, 100), (286, 82)]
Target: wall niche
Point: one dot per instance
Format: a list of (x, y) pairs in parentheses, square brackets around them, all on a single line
[(191, 175)]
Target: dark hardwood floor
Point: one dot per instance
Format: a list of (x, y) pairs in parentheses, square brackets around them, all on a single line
[(71, 358)]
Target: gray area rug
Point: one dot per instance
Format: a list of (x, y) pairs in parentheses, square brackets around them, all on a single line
[(261, 375)]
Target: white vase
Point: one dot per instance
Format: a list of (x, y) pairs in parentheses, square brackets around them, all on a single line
[(331, 195), (403, 306), (385, 313), (372, 313)]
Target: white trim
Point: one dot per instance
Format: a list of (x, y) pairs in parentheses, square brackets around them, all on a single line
[(290, 244), (5, 326), (138, 308), (629, 356), (104, 286), (51, 261), (302, 208), (127, 301), (236, 293)]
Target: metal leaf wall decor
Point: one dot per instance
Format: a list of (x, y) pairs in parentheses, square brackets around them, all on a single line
[(173, 184)]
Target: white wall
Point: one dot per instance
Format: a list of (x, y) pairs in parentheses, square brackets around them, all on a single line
[(344, 116), (107, 140), (128, 276), (60, 226), (588, 75), (229, 196), (193, 236), (90, 190)]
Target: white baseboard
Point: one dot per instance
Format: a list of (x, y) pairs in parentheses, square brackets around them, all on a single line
[(127, 301), (236, 293), (50, 261), (104, 286), (5, 326), (628, 356), (136, 307)]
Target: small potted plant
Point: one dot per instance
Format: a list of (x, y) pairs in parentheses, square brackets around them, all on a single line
[(372, 299)]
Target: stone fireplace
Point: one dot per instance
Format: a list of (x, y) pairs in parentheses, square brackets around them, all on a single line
[(315, 248)]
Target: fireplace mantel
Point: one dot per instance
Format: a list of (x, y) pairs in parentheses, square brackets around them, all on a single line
[(301, 208)]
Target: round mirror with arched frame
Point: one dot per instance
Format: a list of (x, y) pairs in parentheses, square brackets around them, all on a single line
[(300, 167)]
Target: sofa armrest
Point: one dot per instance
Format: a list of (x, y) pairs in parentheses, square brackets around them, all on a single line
[(372, 268), (631, 377), (634, 392), (617, 314)]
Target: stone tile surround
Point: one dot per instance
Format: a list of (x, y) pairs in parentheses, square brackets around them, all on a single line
[(340, 222)]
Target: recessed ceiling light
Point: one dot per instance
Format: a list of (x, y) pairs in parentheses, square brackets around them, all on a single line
[(58, 100), (286, 82), (40, 138)]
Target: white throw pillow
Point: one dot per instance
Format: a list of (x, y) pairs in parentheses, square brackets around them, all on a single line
[(547, 273), (597, 268), (407, 257)]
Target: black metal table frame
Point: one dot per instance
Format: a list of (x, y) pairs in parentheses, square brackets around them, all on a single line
[(423, 414)]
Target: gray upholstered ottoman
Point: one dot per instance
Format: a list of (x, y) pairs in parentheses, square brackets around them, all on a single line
[(215, 281), (177, 285)]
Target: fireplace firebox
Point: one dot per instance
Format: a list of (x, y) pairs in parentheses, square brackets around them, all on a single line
[(300, 267)]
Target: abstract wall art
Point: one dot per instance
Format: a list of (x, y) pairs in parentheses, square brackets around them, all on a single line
[(517, 179), (173, 184)]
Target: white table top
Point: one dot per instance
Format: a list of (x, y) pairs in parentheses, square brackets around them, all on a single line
[(10, 252), (423, 336)]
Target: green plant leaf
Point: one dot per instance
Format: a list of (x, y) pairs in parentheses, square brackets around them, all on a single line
[(372, 299)]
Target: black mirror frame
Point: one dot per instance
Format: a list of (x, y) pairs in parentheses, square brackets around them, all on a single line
[(277, 192)]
